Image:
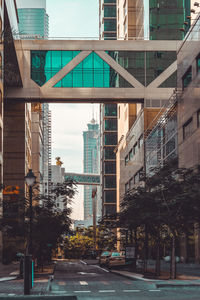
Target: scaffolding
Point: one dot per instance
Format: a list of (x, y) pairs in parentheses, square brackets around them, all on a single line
[(161, 135)]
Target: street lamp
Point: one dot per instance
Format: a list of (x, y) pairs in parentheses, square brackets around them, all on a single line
[(30, 181), (28, 267)]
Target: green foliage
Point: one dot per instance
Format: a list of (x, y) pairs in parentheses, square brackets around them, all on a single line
[(168, 201)]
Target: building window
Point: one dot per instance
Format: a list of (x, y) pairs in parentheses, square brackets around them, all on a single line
[(140, 141), (131, 182), (187, 78), (135, 147), (111, 125), (198, 63), (130, 154), (137, 177), (110, 139), (109, 209), (109, 25), (109, 153), (110, 110), (187, 129), (110, 181), (110, 167), (126, 187), (126, 160), (110, 196)]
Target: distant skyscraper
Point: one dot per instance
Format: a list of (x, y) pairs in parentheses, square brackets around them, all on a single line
[(91, 164), (33, 19)]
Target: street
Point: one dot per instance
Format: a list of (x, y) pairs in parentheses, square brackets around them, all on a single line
[(76, 278)]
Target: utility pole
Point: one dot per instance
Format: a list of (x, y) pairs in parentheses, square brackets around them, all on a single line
[(94, 207)]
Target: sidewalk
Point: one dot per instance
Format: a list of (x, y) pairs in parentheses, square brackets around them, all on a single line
[(9, 271), (188, 275), (13, 285), (158, 282)]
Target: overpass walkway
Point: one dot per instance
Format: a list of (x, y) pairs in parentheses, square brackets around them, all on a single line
[(94, 71)]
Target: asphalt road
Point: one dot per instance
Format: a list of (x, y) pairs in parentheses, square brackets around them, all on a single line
[(75, 278)]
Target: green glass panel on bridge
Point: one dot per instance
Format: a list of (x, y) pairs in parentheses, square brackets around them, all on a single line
[(93, 71), (144, 66), (45, 64), (83, 179), (170, 81), (157, 62)]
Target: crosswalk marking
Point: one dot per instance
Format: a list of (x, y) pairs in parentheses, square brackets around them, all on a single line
[(82, 291), (106, 291), (83, 283), (131, 291), (154, 290)]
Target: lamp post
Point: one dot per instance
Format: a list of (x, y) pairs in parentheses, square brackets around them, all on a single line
[(30, 180), (28, 267)]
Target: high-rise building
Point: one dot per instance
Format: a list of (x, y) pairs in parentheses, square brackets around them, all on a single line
[(33, 19), (107, 19), (108, 118), (34, 23), (130, 19), (91, 164), (167, 17), (154, 20)]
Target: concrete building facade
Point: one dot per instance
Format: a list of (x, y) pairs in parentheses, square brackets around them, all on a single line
[(34, 23), (189, 113)]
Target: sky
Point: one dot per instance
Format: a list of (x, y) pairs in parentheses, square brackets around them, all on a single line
[(72, 18)]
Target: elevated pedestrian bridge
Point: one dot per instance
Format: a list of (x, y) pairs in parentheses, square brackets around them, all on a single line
[(83, 178), (94, 71)]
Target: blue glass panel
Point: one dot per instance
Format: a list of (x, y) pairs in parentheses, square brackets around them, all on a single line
[(45, 64), (93, 72)]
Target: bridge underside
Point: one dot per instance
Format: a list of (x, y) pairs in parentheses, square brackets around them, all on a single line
[(94, 71)]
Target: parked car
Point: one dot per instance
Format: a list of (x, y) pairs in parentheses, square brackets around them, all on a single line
[(116, 259), (104, 257), (168, 259)]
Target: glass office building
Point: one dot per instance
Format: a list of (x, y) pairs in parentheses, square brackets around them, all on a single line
[(91, 164), (108, 22), (33, 19), (167, 17)]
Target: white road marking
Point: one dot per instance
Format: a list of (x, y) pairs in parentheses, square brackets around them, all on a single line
[(11, 294), (83, 262), (102, 269), (14, 273), (106, 291), (7, 278), (84, 273), (131, 291), (83, 283), (82, 291), (59, 292), (154, 290)]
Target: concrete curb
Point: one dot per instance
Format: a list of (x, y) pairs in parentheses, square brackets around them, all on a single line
[(177, 285), (135, 276)]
